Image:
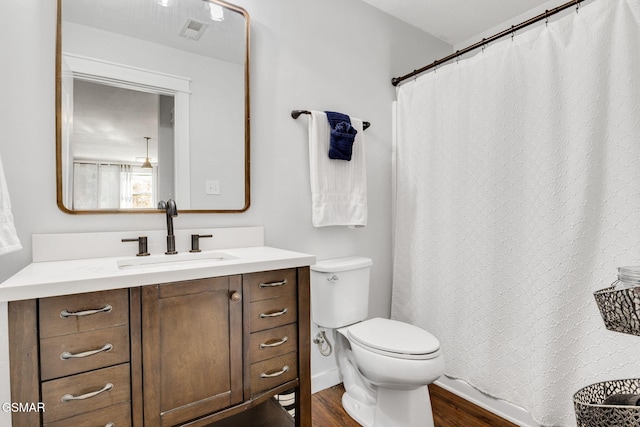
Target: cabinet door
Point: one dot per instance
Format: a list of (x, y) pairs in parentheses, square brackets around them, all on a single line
[(192, 349)]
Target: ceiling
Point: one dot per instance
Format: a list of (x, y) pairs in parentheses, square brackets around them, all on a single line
[(457, 21), (161, 22), (110, 123)]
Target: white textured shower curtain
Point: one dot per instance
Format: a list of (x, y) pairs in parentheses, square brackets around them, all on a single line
[(518, 195)]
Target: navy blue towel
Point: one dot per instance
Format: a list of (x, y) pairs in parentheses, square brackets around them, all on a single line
[(342, 136)]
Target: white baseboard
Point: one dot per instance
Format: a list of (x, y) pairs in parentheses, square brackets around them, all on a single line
[(502, 408), (325, 380)]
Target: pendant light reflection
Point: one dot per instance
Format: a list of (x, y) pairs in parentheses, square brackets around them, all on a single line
[(216, 13), (147, 163)]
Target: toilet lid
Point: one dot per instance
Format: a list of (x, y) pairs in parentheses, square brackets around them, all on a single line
[(394, 337)]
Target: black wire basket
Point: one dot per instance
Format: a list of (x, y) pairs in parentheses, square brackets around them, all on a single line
[(620, 309), (591, 412)]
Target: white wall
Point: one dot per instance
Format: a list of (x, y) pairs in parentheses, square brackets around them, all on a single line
[(326, 55)]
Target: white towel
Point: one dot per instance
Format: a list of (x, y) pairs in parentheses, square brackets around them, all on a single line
[(9, 241), (338, 187)]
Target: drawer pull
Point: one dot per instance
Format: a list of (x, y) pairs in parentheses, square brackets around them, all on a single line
[(274, 343), (106, 309), (273, 284), (273, 314), (70, 397), (285, 368), (66, 355)]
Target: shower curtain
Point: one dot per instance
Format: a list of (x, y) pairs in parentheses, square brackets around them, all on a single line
[(518, 196)]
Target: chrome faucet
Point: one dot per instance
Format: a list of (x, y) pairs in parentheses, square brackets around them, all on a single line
[(172, 211)]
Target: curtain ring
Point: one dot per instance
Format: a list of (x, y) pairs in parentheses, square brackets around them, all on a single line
[(513, 32), (457, 56), (435, 66), (578, 6), (546, 17), (483, 45)]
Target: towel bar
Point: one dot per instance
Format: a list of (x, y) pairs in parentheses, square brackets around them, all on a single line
[(296, 113)]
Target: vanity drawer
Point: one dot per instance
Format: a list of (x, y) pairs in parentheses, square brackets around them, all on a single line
[(273, 372), (271, 313), (83, 312), (271, 284), (71, 354), (116, 416), (82, 392), (273, 342)]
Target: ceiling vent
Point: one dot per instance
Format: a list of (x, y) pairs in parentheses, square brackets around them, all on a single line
[(193, 29)]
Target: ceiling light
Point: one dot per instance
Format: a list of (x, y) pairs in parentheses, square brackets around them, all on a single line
[(166, 3), (216, 12), (147, 163)]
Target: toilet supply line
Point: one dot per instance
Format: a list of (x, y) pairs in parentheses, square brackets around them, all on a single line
[(324, 345)]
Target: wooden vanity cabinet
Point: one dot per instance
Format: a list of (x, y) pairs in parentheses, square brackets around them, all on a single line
[(214, 350), (74, 353), (272, 329), (207, 352), (191, 349)]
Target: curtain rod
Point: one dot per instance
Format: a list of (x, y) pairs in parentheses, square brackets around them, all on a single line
[(547, 13), (296, 113)]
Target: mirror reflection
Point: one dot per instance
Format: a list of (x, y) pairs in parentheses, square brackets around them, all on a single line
[(111, 170), (152, 105)]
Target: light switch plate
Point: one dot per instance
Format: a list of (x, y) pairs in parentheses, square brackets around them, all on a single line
[(212, 187)]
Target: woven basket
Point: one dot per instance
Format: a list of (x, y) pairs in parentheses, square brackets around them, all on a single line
[(590, 412), (620, 309)]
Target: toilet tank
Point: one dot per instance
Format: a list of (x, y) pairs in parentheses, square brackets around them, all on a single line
[(340, 291)]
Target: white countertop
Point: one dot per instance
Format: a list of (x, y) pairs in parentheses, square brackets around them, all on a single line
[(65, 277)]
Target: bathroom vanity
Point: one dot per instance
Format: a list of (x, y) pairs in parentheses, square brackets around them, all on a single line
[(157, 341)]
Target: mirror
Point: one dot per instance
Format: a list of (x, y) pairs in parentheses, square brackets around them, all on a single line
[(152, 103)]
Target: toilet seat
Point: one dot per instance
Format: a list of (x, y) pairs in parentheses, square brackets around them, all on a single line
[(394, 339)]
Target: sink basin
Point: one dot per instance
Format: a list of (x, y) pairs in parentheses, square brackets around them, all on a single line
[(183, 258)]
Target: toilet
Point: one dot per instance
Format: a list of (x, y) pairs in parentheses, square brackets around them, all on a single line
[(385, 364)]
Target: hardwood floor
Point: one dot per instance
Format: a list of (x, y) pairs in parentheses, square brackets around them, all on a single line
[(449, 410), (327, 411)]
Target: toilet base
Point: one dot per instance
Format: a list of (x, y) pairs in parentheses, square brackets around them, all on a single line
[(403, 408), (363, 414), (393, 408)]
